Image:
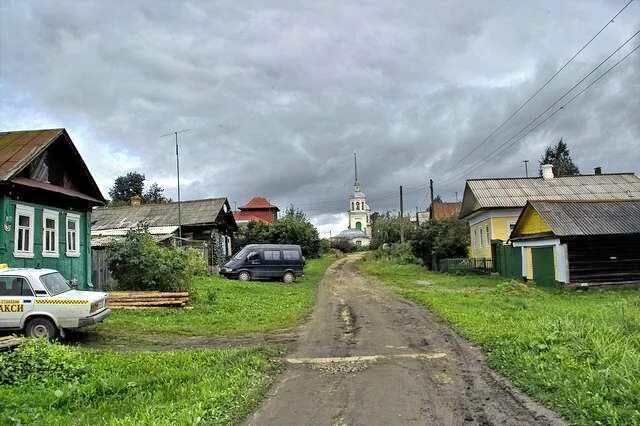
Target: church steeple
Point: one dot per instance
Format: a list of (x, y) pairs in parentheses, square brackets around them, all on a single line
[(356, 184)]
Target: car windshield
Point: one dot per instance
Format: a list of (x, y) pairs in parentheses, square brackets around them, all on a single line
[(55, 283), (241, 254)]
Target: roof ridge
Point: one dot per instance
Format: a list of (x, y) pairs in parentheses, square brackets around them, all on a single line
[(559, 177), (161, 204)]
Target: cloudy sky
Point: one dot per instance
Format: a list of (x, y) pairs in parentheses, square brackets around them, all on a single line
[(278, 95)]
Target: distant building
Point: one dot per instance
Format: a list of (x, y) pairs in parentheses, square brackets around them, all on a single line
[(492, 206), (359, 230), (258, 209), (443, 211)]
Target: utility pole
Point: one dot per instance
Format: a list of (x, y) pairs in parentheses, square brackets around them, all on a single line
[(431, 196), (175, 133), (526, 167), (417, 217), (401, 217)]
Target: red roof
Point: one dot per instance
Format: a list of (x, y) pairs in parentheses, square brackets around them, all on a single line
[(258, 203), (247, 216)]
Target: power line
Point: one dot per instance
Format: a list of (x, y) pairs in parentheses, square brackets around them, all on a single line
[(584, 89), (524, 129), (546, 83)]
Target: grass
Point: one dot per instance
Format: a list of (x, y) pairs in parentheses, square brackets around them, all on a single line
[(577, 352), (162, 388), (225, 307)]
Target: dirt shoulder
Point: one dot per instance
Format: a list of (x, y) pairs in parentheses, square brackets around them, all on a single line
[(369, 357)]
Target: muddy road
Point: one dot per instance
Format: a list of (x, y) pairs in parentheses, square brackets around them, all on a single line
[(368, 357)]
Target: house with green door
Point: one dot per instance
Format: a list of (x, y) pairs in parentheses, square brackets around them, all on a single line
[(46, 197)]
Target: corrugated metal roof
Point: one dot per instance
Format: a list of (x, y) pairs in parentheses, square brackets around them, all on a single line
[(104, 241), (515, 192), (575, 218), (19, 148), (195, 212), (153, 230)]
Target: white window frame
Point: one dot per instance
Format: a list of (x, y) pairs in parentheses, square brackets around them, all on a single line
[(22, 210), (72, 217), (55, 216)]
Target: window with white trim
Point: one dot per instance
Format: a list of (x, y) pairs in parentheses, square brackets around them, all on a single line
[(481, 237), (73, 235), (50, 219), (23, 236)]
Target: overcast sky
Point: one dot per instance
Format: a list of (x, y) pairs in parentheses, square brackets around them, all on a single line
[(279, 94)]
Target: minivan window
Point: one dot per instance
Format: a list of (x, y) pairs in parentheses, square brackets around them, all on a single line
[(291, 255), (241, 254), (272, 255)]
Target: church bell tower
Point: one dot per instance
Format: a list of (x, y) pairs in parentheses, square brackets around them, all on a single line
[(359, 212)]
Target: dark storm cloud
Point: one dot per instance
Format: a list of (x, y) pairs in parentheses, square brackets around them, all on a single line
[(278, 95)]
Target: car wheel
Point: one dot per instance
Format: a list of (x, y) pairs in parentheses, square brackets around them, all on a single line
[(41, 328), (288, 278), (244, 276)]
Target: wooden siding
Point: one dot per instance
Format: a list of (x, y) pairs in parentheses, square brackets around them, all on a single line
[(605, 259), (532, 223), (78, 268)]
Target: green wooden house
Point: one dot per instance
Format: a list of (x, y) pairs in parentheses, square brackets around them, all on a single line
[(46, 197)]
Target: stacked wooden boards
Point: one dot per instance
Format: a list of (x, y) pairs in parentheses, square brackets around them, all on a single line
[(147, 299), (8, 342)]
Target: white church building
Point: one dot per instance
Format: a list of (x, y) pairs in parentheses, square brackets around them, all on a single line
[(359, 231)]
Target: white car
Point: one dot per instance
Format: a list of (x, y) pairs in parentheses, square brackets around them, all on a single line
[(43, 303)]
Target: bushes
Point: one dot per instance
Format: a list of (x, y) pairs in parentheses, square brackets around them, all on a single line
[(441, 239), (139, 263), (38, 360)]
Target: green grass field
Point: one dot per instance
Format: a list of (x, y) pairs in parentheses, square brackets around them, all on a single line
[(161, 388), (224, 307), (577, 352)]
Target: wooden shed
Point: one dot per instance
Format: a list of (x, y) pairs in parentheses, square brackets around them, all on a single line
[(580, 243)]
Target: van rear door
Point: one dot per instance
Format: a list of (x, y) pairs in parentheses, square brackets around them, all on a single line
[(292, 259)]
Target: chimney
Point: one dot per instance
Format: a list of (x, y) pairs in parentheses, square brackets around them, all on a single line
[(597, 170), (135, 201), (547, 171)]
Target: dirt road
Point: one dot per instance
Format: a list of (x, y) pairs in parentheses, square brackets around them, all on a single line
[(370, 358)]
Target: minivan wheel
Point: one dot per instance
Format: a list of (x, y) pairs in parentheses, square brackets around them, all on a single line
[(41, 328), (288, 277), (244, 276)]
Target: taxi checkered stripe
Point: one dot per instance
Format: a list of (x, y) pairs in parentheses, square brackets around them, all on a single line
[(61, 302)]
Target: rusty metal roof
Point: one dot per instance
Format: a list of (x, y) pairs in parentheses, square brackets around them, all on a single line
[(19, 148), (195, 212), (515, 192), (579, 218)]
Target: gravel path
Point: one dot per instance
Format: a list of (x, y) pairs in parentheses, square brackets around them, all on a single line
[(368, 357)]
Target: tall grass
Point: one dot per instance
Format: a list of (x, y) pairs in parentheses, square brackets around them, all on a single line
[(577, 352)]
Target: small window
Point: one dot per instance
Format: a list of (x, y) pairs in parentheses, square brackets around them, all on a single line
[(14, 286), (73, 235), (481, 237), (357, 205), (272, 255), (291, 255), (23, 236), (50, 233), (488, 237)]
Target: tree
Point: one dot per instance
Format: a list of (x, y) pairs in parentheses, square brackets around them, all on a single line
[(155, 195), (126, 187), (560, 157), (293, 228)]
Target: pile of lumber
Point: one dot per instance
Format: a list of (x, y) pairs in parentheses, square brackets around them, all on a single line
[(147, 300), (8, 342)]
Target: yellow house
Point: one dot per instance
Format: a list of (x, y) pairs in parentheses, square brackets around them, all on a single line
[(580, 243), (492, 206)]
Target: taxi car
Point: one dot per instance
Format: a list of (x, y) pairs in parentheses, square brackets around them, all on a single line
[(42, 303)]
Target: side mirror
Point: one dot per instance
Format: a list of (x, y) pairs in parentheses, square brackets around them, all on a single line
[(73, 284)]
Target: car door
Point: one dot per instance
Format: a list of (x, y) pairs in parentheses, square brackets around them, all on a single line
[(273, 263), (254, 264), (16, 300)]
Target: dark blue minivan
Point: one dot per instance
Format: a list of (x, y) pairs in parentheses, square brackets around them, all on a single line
[(266, 261)]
